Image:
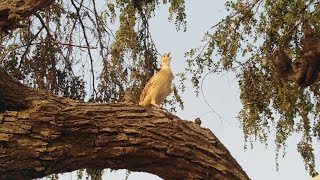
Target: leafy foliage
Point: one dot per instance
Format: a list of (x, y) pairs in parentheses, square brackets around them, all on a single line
[(64, 43), (245, 42), (65, 46)]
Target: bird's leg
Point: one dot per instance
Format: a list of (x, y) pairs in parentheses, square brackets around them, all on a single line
[(155, 106), (158, 107)]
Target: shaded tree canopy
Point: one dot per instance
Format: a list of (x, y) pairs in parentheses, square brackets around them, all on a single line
[(41, 133), (271, 46)]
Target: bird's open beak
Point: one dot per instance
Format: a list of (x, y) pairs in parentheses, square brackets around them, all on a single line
[(169, 54)]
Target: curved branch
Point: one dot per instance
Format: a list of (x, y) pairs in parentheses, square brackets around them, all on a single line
[(55, 135), (15, 10), (42, 134)]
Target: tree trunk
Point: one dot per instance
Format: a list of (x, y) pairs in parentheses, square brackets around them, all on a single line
[(11, 11), (42, 134), (303, 71), (51, 134)]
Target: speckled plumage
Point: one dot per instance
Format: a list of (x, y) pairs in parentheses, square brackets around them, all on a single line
[(159, 86)]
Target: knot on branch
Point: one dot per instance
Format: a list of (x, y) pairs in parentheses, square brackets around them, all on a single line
[(303, 71)]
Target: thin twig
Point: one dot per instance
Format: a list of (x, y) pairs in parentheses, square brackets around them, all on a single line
[(48, 31), (204, 97), (28, 46), (59, 43), (233, 15), (96, 15), (88, 44)]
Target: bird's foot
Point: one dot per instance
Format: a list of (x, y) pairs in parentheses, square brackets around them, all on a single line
[(158, 108), (163, 110)]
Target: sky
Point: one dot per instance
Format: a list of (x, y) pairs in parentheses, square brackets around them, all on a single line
[(222, 93)]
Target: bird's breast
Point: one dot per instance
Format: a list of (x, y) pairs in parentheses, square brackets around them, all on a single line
[(164, 83)]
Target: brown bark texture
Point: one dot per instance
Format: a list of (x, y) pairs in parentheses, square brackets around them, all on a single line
[(42, 134), (12, 11), (305, 70), (51, 134)]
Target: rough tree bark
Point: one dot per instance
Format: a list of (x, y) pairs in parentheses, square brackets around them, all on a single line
[(14, 10), (52, 134), (304, 71), (42, 134)]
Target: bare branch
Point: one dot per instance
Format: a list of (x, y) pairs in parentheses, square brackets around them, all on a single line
[(88, 45)]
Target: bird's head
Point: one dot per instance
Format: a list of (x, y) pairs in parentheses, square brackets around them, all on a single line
[(165, 59)]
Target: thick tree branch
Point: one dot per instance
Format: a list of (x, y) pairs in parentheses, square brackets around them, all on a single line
[(15, 10), (54, 135), (303, 71), (41, 134)]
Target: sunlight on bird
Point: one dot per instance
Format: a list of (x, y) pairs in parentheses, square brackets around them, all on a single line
[(159, 86), (316, 177)]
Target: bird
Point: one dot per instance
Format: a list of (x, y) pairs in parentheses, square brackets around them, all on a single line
[(198, 121), (316, 177), (159, 85)]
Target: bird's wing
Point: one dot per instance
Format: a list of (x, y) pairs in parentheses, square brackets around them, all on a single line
[(146, 90)]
